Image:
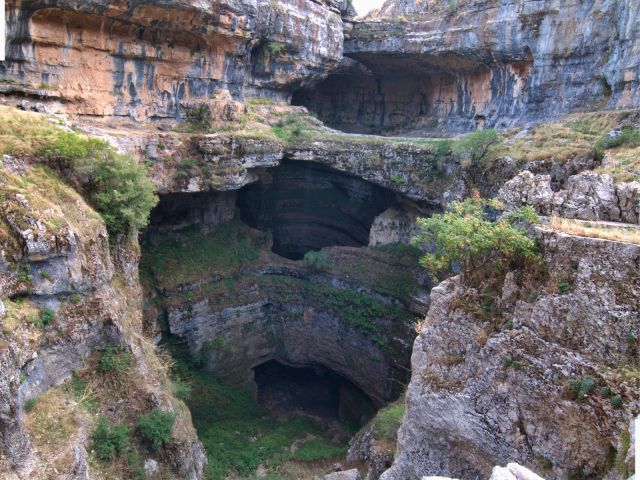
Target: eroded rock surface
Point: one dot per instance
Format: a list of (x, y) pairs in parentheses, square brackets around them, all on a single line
[(586, 196), (483, 394)]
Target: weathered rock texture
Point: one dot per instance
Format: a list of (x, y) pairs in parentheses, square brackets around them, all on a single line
[(55, 259), (586, 196), (416, 65), (145, 59), (492, 390)]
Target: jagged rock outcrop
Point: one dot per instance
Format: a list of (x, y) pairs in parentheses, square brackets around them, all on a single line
[(424, 65), (67, 294), (586, 196), (512, 471), (533, 383), (147, 59)]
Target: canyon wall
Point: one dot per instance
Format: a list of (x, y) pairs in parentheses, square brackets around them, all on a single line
[(147, 59), (427, 65)]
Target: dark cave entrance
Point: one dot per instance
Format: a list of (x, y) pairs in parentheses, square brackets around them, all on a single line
[(314, 391), (307, 206)]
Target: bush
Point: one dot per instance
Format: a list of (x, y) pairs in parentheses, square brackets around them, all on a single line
[(122, 193), (465, 236), (199, 116), (475, 146), (317, 260), (117, 185), (156, 427), (616, 401), (109, 439), (30, 404), (47, 316), (115, 359), (581, 388)]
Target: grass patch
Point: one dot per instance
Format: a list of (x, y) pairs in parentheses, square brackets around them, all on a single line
[(191, 254), (605, 231), (238, 435)]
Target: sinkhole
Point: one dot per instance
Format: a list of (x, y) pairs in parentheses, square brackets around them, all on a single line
[(307, 206), (316, 391)]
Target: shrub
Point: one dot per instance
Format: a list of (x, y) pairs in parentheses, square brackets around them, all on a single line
[(475, 146), (123, 194), (581, 388), (317, 260), (563, 288), (115, 359), (616, 401), (156, 427), (199, 116), (109, 439), (453, 6), (465, 235), (181, 388), (30, 404), (274, 48), (117, 185), (627, 137), (605, 391), (47, 316)]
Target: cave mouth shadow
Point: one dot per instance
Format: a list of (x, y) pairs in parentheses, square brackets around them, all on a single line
[(307, 206), (315, 391)]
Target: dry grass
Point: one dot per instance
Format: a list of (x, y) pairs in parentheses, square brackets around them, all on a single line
[(606, 231), (564, 139), (25, 133), (622, 164)]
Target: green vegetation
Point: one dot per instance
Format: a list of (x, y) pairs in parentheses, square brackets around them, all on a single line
[(44, 317), (191, 254), (110, 439), (30, 404), (238, 435), (156, 427), (274, 48), (508, 362), (199, 116), (453, 7), (475, 146), (317, 260), (117, 185), (627, 137), (387, 421), (579, 389), (465, 236), (115, 360), (616, 401), (563, 288)]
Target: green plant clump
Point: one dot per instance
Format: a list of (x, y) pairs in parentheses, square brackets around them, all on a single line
[(110, 439), (627, 137), (475, 146), (581, 388), (116, 359), (465, 236), (199, 116), (117, 185), (317, 260), (156, 427)]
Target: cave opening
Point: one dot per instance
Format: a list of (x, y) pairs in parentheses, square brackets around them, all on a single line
[(417, 95), (286, 391), (307, 206)]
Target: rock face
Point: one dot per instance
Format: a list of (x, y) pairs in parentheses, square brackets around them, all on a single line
[(145, 59), (62, 303), (483, 394), (586, 196), (417, 65)]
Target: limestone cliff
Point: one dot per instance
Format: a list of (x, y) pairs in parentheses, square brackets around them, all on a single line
[(66, 295), (424, 65), (147, 59), (490, 389)]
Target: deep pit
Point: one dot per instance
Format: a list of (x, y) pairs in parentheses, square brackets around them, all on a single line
[(313, 348)]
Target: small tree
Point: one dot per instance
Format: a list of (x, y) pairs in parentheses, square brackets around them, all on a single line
[(475, 146), (465, 235), (199, 116)]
